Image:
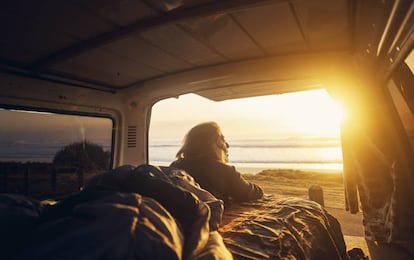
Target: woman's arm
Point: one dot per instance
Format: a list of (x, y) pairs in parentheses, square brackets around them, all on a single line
[(241, 190)]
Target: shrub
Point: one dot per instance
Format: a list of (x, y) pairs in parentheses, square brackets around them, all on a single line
[(89, 156)]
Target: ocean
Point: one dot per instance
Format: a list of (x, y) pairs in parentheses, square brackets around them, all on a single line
[(33, 151), (255, 155), (248, 156)]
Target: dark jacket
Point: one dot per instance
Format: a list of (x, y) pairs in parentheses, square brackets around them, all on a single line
[(220, 179)]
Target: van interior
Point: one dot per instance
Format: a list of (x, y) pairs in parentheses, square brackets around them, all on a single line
[(106, 64)]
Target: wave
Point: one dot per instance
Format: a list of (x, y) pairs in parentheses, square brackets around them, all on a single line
[(264, 143), (164, 145), (322, 145), (288, 161), (261, 145)]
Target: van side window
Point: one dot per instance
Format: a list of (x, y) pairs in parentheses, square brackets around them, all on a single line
[(50, 154)]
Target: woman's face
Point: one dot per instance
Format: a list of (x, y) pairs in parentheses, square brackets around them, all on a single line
[(224, 147)]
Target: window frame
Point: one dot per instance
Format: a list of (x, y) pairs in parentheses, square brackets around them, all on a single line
[(73, 113)]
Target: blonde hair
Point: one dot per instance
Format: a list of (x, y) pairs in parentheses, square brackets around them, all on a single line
[(201, 142)]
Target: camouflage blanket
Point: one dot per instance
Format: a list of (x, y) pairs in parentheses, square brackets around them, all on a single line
[(288, 228)]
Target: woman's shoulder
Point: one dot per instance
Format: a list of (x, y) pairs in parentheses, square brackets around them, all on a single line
[(223, 167)]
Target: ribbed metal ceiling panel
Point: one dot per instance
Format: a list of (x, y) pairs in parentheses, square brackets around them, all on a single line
[(273, 27), (116, 44)]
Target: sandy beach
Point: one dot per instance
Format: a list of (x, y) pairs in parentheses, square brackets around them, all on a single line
[(295, 183)]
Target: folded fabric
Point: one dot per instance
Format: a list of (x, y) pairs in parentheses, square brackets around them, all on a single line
[(179, 196), (18, 216), (114, 226), (187, 182), (149, 181)]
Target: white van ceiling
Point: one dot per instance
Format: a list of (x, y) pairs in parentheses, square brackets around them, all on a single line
[(113, 45)]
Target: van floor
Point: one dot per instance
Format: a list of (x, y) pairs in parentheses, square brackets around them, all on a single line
[(353, 231)]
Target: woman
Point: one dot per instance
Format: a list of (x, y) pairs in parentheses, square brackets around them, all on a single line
[(204, 155)]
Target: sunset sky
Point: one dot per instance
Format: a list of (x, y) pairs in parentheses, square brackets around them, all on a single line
[(309, 113), (27, 127)]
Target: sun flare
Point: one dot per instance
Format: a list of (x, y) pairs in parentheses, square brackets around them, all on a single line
[(318, 114)]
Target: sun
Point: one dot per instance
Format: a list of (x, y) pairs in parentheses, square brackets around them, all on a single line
[(315, 113), (312, 112)]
